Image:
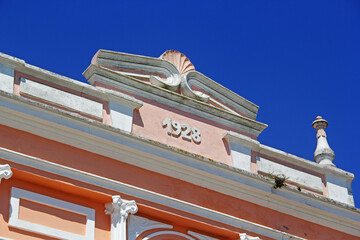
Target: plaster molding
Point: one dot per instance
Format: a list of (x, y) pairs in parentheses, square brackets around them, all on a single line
[(119, 210), (201, 236), (157, 234), (101, 139), (187, 91), (5, 172), (244, 236), (221, 93), (240, 148), (138, 225), (167, 72), (96, 73), (14, 221), (21, 66), (241, 139)]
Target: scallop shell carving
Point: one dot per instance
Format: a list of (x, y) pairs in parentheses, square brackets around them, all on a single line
[(180, 61)]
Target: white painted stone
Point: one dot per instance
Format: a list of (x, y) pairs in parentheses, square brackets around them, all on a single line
[(240, 148), (337, 188), (138, 225), (6, 79), (121, 116), (244, 236), (5, 172), (241, 156), (294, 175), (121, 109), (61, 98)]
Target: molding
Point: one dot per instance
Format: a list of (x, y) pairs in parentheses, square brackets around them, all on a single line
[(240, 149), (138, 225), (200, 236), (119, 211), (351, 227), (124, 99), (227, 96), (284, 156), (243, 236), (148, 237), (101, 139), (22, 66), (231, 136), (60, 98), (174, 67), (172, 99), (14, 221), (5, 172)]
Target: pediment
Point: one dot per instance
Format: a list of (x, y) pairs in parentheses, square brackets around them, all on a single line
[(175, 72)]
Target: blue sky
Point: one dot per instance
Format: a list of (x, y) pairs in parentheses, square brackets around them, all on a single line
[(295, 59)]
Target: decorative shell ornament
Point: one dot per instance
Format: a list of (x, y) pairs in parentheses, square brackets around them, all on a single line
[(180, 61)]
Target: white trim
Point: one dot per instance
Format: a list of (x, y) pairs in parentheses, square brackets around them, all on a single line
[(172, 99), (14, 221), (59, 97), (244, 236), (159, 65), (148, 237), (6, 78), (22, 66), (5, 172), (119, 211), (201, 236), (138, 225)]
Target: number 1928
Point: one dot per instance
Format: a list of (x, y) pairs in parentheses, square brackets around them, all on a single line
[(188, 133)]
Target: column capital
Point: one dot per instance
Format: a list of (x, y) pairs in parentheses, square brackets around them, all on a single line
[(119, 210), (5, 172), (121, 207)]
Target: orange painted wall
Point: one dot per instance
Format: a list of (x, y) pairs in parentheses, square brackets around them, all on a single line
[(44, 215), (76, 158)]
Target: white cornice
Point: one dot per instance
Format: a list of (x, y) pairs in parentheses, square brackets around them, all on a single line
[(227, 96), (96, 73), (95, 137), (22, 66), (287, 157), (159, 65)]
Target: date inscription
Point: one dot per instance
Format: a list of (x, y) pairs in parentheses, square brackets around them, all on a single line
[(175, 128)]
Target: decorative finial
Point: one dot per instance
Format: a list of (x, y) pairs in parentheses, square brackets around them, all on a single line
[(323, 153)]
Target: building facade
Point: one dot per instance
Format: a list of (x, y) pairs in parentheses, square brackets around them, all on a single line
[(152, 149)]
